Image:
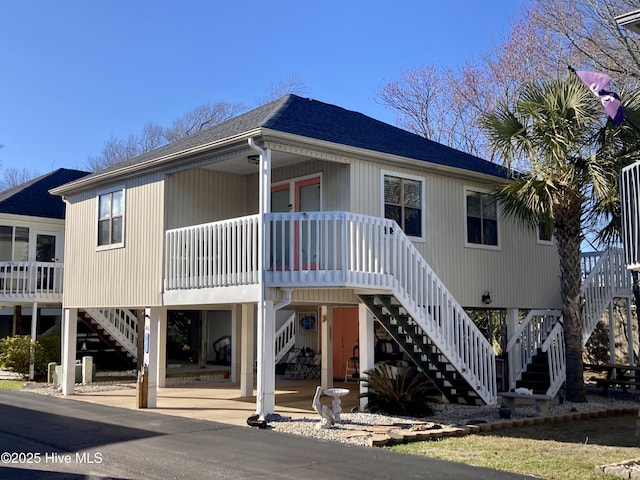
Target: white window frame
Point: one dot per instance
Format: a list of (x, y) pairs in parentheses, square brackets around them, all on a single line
[(466, 189), (113, 189), (423, 202)]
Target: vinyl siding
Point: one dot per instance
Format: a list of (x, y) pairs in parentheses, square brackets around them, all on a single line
[(121, 277), (334, 186), (522, 273), (202, 196)]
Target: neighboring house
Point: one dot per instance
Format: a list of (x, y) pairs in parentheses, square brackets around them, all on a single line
[(327, 214), (32, 251), (31, 254)]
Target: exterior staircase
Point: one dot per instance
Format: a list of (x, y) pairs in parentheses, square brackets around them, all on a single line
[(536, 350), (118, 328), (429, 325), (421, 349), (285, 338)]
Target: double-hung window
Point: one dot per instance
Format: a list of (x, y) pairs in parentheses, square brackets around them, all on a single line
[(14, 244), (403, 203), (111, 218), (482, 218)]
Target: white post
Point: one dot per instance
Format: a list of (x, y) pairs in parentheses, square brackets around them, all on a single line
[(266, 384), (367, 347), (236, 345), (326, 332), (246, 350), (151, 322), (265, 395), (69, 334), (162, 347), (34, 333)]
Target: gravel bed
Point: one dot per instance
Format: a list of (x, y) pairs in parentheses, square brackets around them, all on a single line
[(357, 428)]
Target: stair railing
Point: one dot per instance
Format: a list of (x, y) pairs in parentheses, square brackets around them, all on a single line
[(528, 337), (605, 276), (427, 300), (554, 347), (359, 251), (607, 279), (285, 337), (121, 324)]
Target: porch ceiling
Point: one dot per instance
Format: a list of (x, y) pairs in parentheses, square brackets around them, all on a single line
[(239, 164)]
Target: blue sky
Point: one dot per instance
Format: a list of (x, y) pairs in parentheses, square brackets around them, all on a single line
[(74, 73)]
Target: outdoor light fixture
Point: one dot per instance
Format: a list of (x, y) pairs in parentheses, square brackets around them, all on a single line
[(486, 297), (254, 159)]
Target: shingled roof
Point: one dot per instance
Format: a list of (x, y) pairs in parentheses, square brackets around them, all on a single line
[(33, 199), (318, 120)]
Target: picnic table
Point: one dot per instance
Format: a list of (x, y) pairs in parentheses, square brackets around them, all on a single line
[(616, 374)]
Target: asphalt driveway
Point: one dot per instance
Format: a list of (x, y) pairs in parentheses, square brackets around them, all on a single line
[(56, 438)]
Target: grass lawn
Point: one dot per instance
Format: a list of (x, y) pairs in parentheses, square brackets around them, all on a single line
[(11, 384), (559, 451)]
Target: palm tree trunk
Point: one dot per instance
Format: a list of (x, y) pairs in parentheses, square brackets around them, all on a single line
[(567, 214)]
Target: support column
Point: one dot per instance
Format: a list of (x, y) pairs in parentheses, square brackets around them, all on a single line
[(367, 347), (612, 335), (236, 345), (326, 339), (34, 333), (151, 342), (512, 322), (247, 340), (162, 347), (266, 385), (632, 360), (204, 339), (69, 339), (17, 320)]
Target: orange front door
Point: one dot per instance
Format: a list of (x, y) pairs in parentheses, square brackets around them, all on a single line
[(345, 337)]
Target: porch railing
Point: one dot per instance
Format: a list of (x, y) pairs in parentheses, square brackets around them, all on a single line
[(333, 249), (215, 254), (31, 279)]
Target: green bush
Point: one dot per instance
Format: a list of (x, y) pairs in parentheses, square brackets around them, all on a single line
[(404, 394), (47, 351), (15, 353)]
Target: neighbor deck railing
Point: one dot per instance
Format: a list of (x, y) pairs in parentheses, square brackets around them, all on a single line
[(630, 205), (31, 280)]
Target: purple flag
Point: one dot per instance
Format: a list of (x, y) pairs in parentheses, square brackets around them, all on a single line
[(597, 83)]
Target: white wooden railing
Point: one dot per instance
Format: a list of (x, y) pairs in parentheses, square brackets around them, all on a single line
[(528, 337), (605, 278), (630, 205), (31, 280), (285, 337), (215, 254), (554, 347), (334, 249), (121, 324)]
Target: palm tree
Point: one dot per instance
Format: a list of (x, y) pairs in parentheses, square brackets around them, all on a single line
[(555, 131)]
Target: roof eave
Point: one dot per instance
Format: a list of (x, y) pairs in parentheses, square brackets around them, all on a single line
[(152, 165), (376, 156)]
